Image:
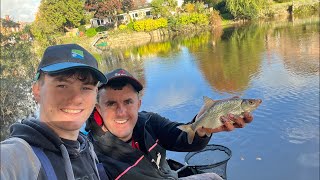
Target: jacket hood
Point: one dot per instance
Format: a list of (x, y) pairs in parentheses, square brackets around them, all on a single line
[(36, 133)]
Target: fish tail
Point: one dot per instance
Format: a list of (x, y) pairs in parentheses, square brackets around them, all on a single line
[(187, 128)]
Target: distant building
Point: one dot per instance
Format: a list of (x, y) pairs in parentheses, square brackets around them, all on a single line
[(8, 26), (124, 18)]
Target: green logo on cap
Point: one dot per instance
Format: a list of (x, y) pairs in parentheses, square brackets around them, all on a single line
[(77, 53)]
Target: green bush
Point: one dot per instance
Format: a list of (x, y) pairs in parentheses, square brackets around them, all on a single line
[(123, 27), (82, 28), (91, 32), (282, 1), (101, 28), (150, 24), (130, 26)]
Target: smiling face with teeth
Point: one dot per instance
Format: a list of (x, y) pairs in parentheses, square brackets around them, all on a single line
[(65, 102), (119, 108)]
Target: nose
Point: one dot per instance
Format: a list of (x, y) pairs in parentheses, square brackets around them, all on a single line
[(75, 97), (121, 110)]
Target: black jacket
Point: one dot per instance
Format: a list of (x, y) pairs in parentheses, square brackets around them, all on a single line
[(154, 135), (37, 134)]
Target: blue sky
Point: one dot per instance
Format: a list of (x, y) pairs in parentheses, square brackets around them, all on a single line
[(20, 10)]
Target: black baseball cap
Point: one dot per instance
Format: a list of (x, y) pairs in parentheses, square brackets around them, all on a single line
[(121, 74), (64, 57)]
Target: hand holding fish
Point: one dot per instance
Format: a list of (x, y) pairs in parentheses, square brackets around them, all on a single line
[(221, 115), (230, 122)]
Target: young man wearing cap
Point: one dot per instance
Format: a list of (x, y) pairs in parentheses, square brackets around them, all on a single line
[(132, 144), (50, 147)]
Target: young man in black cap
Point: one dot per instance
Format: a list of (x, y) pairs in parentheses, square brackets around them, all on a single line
[(132, 144), (50, 147)]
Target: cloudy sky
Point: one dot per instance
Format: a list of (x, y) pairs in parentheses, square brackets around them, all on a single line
[(20, 10)]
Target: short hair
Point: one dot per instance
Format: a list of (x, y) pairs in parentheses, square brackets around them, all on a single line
[(84, 75), (115, 85)]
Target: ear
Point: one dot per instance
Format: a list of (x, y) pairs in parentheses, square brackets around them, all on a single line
[(98, 108), (36, 91), (139, 103)]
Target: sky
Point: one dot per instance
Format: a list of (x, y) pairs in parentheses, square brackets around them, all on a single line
[(20, 10)]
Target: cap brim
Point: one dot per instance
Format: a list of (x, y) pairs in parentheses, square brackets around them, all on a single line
[(134, 82), (60, 67)]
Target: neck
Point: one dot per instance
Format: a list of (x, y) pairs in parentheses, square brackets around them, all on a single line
[(70, 135)]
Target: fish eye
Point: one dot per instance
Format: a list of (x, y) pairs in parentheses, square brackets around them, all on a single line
[(251, 102)]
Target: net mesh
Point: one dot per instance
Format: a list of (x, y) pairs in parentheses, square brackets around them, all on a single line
[(213, 158)]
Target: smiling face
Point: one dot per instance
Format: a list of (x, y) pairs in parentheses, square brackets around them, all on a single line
[(119, 109), (65, 103)]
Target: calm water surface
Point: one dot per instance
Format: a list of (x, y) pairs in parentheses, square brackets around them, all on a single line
[(277, 62)]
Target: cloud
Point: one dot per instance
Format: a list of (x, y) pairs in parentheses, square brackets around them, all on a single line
[(20, 10)]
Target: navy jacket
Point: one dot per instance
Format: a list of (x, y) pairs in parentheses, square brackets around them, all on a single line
[(153, 135), (18, 160)]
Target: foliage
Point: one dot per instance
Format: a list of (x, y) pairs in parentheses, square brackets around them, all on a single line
[(82, 28), (193, 18), (307, 10), (53, 18), (101, 28), (130, 26), (150, 24), (122, 27), (215, 19), (189, 7), (200, 7), (245, 9), (103, 8), (163, 8), (91, 32), (282, 1)]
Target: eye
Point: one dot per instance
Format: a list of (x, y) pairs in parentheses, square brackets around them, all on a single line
[(251, 102), (61, 86), (109, 104), (129, 101), (87, 88)]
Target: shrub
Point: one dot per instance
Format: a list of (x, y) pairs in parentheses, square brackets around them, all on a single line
[(130, 26), (101, 28), (215, 19), (91, 32), (150, 24), (123, 27), (82, 28)]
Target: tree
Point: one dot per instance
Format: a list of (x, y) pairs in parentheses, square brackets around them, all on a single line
[(55, 17), (247, 9), (59, 15), (105, 8), (163, 8)]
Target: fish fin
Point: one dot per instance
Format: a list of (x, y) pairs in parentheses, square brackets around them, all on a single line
[(187, 128), (208, 102)]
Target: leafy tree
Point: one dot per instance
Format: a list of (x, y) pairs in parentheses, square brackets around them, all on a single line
[(59, 15), (247, 9), (163, 8), (105, 8)]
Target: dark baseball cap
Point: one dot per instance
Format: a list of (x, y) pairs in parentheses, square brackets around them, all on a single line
[(121, 74), (64, 57)]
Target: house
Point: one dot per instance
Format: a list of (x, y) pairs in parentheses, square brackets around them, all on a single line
[(124, 18)]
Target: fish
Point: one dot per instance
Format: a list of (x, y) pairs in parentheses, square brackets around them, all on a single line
[(209, 116)]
